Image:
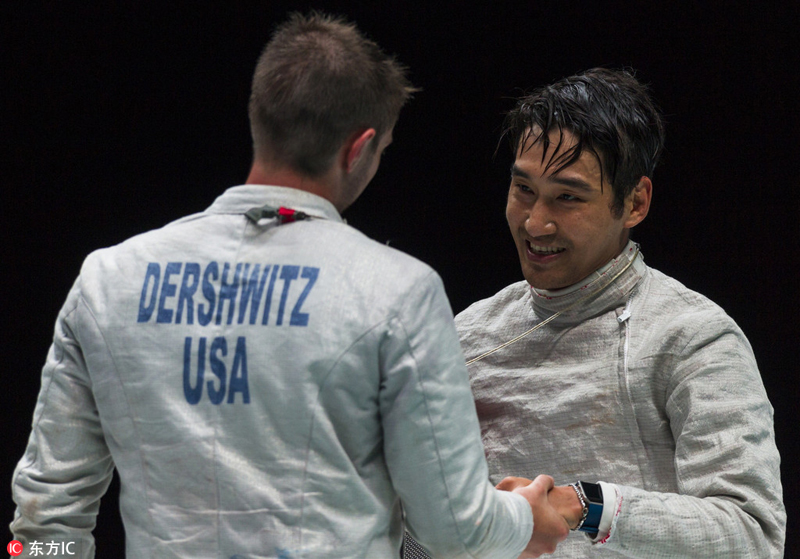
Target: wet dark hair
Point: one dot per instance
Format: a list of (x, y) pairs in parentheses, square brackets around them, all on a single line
[(319, 80), (610, 114)]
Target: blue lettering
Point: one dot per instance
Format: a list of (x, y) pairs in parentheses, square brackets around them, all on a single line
[(193, 393), (252, 289), (216, 387), (221, 284), (268, 300), (288, 273), (238, 382), (212, 271), (219, 345), (300, 318), (227, 291), (190, 272), (167, 290), (146, 311)]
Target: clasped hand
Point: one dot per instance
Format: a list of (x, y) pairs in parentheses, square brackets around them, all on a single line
[(555, 511)]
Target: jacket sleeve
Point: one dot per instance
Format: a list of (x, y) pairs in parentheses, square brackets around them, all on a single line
[(67, 466), (432, 438), (728, 468)]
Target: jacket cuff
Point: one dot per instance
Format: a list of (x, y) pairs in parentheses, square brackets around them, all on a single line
[(612, 505)]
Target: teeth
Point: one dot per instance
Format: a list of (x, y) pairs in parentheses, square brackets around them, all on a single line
[(545, 250)]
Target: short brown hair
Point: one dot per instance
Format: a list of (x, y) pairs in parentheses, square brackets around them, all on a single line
[(318, 81)]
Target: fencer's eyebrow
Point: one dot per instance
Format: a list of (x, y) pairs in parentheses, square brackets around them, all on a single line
[(517, 172), (572, 182), (565, 181)]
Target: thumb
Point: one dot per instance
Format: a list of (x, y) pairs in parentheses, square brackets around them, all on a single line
[(511, 483), (544, 482)]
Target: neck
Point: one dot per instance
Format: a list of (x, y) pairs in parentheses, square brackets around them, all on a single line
[(602, 290), (276, 175)]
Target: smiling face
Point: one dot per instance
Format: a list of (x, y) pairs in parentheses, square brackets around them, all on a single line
[(562, 222)]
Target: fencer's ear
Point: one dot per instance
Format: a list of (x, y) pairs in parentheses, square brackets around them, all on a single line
[(356, 146), (638, 204)]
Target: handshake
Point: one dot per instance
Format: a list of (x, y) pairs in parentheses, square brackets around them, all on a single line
[(556, 510)]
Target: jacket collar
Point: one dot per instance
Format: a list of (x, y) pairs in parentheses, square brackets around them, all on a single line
[(240, 199), (595, 294)]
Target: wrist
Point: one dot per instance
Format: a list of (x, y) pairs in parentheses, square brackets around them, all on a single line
[(565, 500)]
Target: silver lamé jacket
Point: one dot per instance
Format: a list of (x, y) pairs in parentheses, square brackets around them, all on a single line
[(263, 390), (646, 385)]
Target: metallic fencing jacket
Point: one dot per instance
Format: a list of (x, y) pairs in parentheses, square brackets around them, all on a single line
[(263, 390), (646, 385)]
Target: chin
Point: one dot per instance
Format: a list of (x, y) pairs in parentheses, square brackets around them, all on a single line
[(536, 280), (549, 285)]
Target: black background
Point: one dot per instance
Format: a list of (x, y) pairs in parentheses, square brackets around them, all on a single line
[(120, 117)]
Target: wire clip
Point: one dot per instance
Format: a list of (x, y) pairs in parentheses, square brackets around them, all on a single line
[(283, 214)]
